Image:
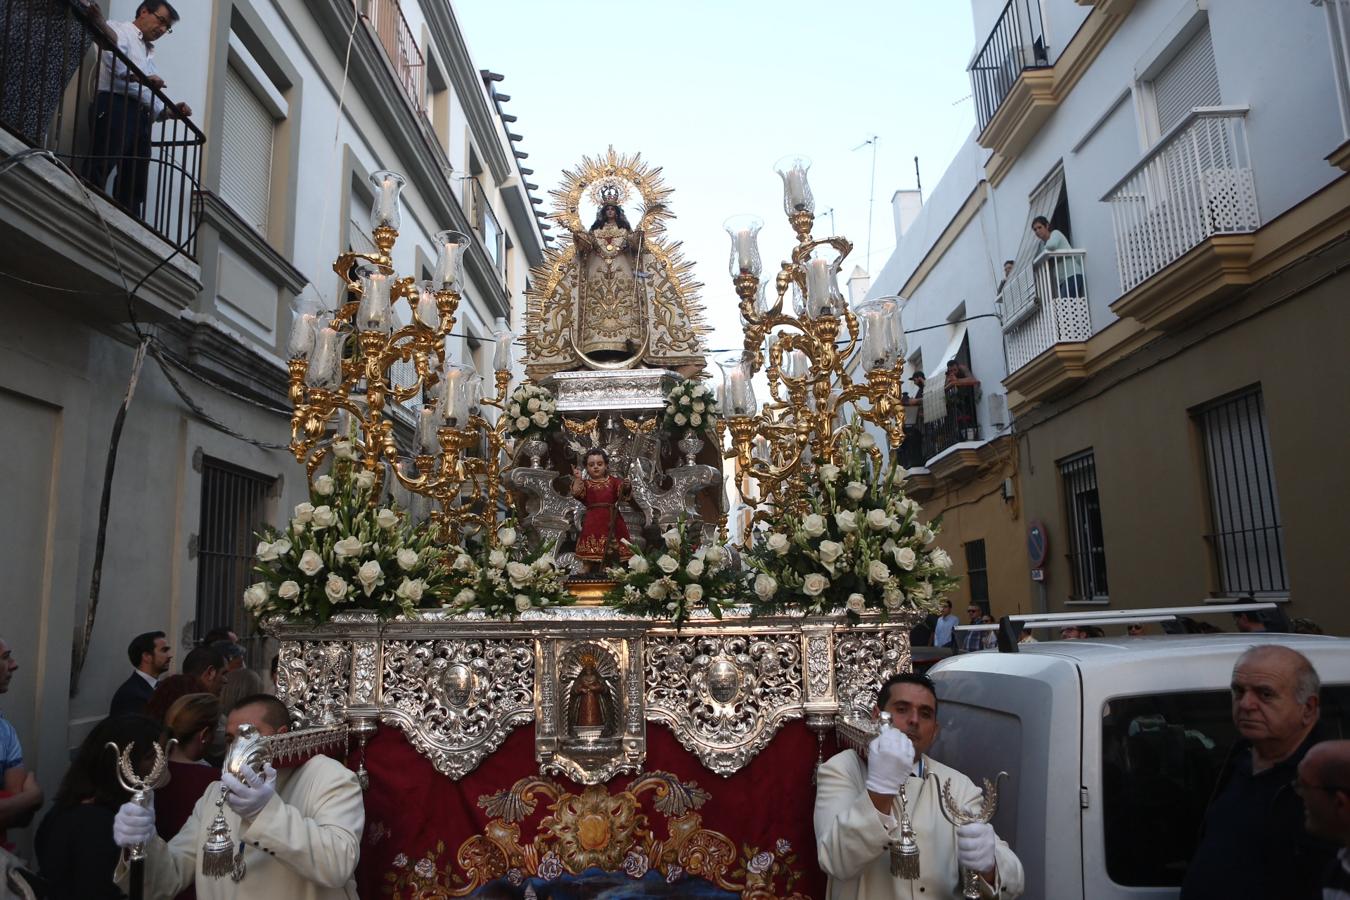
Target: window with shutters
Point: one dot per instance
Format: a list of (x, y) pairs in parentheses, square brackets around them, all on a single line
[(1083, 513), (1246, 539), (234, 507), (247, 136), (1188, 80)]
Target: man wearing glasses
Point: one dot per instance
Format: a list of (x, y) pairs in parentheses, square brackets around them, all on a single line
[(1324, 784), (127, 104), (1253, 843)]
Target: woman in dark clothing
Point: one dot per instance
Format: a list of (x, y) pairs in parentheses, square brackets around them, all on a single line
[(74, 844)]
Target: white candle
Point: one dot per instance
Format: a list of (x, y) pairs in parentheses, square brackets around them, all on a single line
[(373, 314), (386, 206), (303, 329), (745, 252), (501, 354), (449, 265), (427, 312), (796, 188), (818, 286), (426, 431), (325, 369)]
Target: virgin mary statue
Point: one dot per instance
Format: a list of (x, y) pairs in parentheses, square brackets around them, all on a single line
[(610, 308)]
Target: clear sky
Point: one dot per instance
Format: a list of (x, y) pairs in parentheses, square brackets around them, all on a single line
[(716, 92)]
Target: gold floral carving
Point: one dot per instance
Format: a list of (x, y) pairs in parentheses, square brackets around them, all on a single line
[(597, 828)]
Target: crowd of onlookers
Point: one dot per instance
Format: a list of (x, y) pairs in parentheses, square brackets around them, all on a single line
[(74, 852)]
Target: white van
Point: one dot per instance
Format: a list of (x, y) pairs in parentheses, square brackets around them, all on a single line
[(1113, 746)]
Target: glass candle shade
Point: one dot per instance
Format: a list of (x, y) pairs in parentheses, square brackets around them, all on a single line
[(744, 233), (325, 365), (502, 339), (879, 348), (305, 309), (823, 297), (384, 209), (428, 313), (448, 272), (374, 313), (796, 189)]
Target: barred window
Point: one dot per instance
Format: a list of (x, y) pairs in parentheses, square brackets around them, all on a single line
[(1087, 545), (977, 575), (1246, 538), (234, 507)]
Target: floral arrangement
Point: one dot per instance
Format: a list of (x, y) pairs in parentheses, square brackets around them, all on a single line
[(507, 579), (673, 579), (532, 413), (690, 405), (341, 553), (859, 544)]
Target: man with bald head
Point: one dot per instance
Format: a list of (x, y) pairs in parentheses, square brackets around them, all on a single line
[(1324, 784), (1253, 844)]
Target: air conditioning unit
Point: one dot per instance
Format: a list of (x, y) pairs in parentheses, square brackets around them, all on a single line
[(998, 412)]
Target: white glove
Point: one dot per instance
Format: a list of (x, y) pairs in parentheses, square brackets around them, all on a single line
[(890, 760), (133, 825), (249, 799), (975, 846)]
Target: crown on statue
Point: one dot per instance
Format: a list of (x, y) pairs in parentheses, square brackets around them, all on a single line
[(588, 661), (609, 191)]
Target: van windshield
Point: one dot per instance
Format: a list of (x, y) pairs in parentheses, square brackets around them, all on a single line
[(1161, 756)]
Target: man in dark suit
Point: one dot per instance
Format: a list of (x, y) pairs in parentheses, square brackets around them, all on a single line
[(150, 655)]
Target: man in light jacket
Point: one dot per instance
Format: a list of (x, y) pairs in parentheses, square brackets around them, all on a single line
[(857, 812)]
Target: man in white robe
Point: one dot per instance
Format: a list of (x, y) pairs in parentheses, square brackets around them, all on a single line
[(857, 812), (300, 829)]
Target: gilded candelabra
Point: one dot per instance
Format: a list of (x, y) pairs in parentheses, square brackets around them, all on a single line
[(341, 364), (810, 356)]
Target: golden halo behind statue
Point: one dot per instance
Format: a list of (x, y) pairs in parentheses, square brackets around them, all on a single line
[(596, 174)]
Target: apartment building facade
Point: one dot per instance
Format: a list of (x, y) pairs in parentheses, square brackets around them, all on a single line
[(169, 407), (1167, 376)]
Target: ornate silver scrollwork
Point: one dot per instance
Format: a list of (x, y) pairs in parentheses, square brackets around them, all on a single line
[(724, 696), (864, 659), (457, 700), (314, 677)]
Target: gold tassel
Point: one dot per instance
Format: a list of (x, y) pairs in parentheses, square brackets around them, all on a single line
[(218, 851)]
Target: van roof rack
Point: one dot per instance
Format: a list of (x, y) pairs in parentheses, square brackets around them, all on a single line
[(1009, 627)]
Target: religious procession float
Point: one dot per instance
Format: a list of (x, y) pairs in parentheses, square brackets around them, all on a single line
[(561, 655)]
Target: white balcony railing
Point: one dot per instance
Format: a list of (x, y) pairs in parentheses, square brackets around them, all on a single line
[(1045, 304), (1196, 183), (1338, 29)]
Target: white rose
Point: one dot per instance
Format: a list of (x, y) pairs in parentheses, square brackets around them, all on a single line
[(365, 480), (893, 597), (370, 575), (324, 517), (533, 404), (463, 563), (856, 603), (465, 597), (348, 547), (281, 546), (657, 590), (522, 423), (693, 592), (695, 419), (265, 553), (694, 568), (815, 584), (297, 527), (940, 559), (407, 559), (304, 512), (908, 506), (765, 586), (522, 603), (323, 485), (814, 525), (699, 406), (342, 448), (855, 490), (684, 400), (778, 542), (878, 572), (513, 410), (828, 472), (877, 520), (411, 589), (672, 538), (830, 551), (336, 588), (288, 591), (638, 564), (847, 520), (905, 558), (506, 536), (715, 555), (386, 518), (540, 419), (680, 419), (310, 563), (667, 563), (866, 441), (497, 559), (519, 573), (257, 594)]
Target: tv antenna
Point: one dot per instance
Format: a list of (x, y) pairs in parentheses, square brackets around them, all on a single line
[(871, 196)]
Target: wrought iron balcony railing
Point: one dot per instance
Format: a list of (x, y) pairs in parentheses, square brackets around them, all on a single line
[(1338, 30), (401, 46), (1016, 42), (1195, 183), (1044, 304), (66, 88)]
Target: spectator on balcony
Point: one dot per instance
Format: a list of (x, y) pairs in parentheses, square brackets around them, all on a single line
[(42, 43), (960, 387), (1066, 273), (911, 451), (1008, 266), (127, 105)]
